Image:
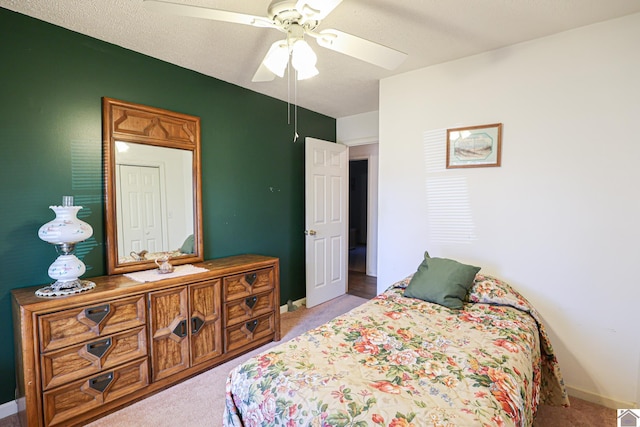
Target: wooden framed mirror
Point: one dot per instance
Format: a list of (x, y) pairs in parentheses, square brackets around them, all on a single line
[(153, 206)]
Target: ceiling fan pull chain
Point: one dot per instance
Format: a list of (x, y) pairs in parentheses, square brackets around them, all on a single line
[(288, 92), (295, 108)]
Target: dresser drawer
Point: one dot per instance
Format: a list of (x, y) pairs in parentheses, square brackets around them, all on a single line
[(241, 310), (245, 333), (66, 402), (72, 363), (58, 330), (243, 285)]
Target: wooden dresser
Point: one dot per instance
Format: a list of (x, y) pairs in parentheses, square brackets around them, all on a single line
[(82, 356)]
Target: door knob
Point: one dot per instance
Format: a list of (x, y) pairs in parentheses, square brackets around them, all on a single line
[(310, 232)]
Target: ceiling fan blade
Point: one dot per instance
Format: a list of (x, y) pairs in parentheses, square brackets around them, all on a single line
[(360, 48), (263, 74), (316, 9), (207, 13)]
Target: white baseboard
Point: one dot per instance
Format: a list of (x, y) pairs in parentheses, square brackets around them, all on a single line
[(8, 409), (600, 400), (299, 303)]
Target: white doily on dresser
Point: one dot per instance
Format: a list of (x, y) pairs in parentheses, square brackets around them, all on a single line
[(155, 275)]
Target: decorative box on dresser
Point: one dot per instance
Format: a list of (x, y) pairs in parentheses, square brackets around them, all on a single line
[(82, 356)]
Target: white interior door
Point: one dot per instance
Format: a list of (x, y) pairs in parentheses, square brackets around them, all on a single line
[(326, 219), (140, 209)]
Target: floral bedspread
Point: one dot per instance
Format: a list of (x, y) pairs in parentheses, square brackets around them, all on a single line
[(397, 361)]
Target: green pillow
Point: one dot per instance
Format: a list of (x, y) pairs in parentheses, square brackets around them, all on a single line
[(187, 246), (442, 281)]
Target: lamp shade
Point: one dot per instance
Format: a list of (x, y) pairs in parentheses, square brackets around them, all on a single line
[(307, 73), (277, 58), (66, 227), (303, 59)]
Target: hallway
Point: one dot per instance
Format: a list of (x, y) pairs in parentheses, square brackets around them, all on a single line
[(359, 283)]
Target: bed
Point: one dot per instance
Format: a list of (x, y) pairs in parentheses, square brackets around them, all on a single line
[(401, 361)]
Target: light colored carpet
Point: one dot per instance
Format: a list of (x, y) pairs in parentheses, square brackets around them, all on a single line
[(199, 401)]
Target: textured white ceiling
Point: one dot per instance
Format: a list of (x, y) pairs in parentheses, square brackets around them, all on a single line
[(429, 31)]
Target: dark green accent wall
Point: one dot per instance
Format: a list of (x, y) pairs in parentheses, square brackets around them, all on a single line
[(51, 84)]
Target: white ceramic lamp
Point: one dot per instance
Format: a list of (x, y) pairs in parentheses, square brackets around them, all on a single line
[(64, 232)]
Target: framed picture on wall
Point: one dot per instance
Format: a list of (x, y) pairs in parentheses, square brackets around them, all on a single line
[(474, 146)]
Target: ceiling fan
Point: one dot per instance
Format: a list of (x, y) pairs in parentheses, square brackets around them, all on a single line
[(297, 19)]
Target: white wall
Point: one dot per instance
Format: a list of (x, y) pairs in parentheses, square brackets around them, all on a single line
[(358, 129), (559, 220)]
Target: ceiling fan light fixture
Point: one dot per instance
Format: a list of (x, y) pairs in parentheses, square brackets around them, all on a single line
[(307, 73), (298, 19), (303, 59), (277, 58)]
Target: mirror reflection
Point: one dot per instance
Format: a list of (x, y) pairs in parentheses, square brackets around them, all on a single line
[(153, 208), (154, 196)]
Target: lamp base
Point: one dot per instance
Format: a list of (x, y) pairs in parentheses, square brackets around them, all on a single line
[(59, 289)]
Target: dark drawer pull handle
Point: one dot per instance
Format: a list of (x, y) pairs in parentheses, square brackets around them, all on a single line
[(251, 301), (97, 314), (250, 278), (102, 382), (99, 348), (251, 326), (196, 324), (181, 329)]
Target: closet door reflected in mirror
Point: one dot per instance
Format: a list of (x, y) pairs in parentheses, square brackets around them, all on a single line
[(152, 186)]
